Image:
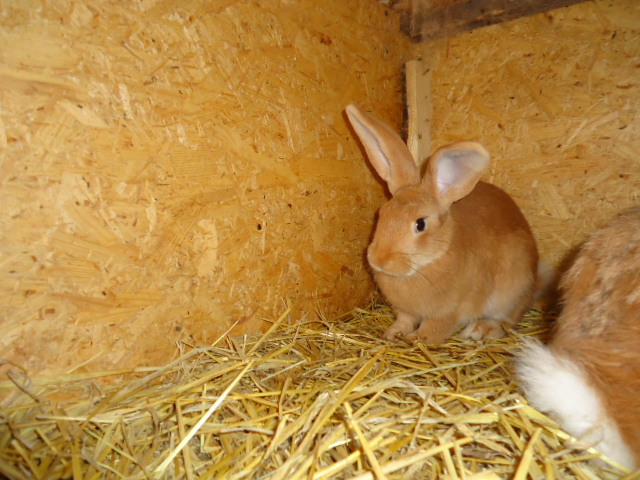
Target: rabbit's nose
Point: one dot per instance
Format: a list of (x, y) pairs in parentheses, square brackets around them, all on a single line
[(376, 263), (372, 261)]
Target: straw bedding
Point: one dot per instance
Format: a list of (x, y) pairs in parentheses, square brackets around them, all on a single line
[(315, 400)]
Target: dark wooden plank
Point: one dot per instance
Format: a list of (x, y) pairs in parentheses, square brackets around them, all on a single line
[(431, 19)]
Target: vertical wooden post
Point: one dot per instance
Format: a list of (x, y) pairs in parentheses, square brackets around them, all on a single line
[(419, 108)]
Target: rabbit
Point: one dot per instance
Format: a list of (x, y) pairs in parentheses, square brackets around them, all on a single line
[(588, 377), (448, 250)]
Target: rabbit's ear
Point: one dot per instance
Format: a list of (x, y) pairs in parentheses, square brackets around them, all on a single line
[(455, 170), (388, 154)]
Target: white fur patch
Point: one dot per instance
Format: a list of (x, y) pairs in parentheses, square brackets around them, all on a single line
[(556, 385)]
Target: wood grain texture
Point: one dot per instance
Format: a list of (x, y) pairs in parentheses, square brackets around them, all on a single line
[(170, 170)]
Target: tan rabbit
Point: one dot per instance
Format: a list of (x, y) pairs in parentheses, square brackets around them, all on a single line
[(448, 250), (589, 375)]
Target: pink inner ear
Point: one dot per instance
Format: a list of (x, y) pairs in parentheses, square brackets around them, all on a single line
[(456, 170), (449, 174)]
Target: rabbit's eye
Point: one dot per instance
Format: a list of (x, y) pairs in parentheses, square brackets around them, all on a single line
[(421, 225)]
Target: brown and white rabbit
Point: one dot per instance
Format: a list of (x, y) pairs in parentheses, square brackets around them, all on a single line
[(588, 377), (448, 250)]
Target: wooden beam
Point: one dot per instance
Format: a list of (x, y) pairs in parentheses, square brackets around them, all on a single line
[(431, 19), (419, 109)]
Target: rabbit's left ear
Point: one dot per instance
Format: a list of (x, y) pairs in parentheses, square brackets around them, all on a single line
[(455, 170), (388, 154)]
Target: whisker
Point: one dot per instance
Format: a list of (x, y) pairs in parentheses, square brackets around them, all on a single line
[(417, 271)]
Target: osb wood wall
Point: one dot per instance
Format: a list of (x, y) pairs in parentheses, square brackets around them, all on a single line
[(170, 168), (556, 99), (167, 170)]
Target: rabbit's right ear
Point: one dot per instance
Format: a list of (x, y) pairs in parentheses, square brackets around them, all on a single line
[(455, 170), (388, 154)]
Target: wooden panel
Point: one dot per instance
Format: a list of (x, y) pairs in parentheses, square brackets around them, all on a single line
[(555, 98), (168, 170)]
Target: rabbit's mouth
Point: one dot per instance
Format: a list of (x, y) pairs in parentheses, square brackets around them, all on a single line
[(378, 269), (393, 268), (398, 264)]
